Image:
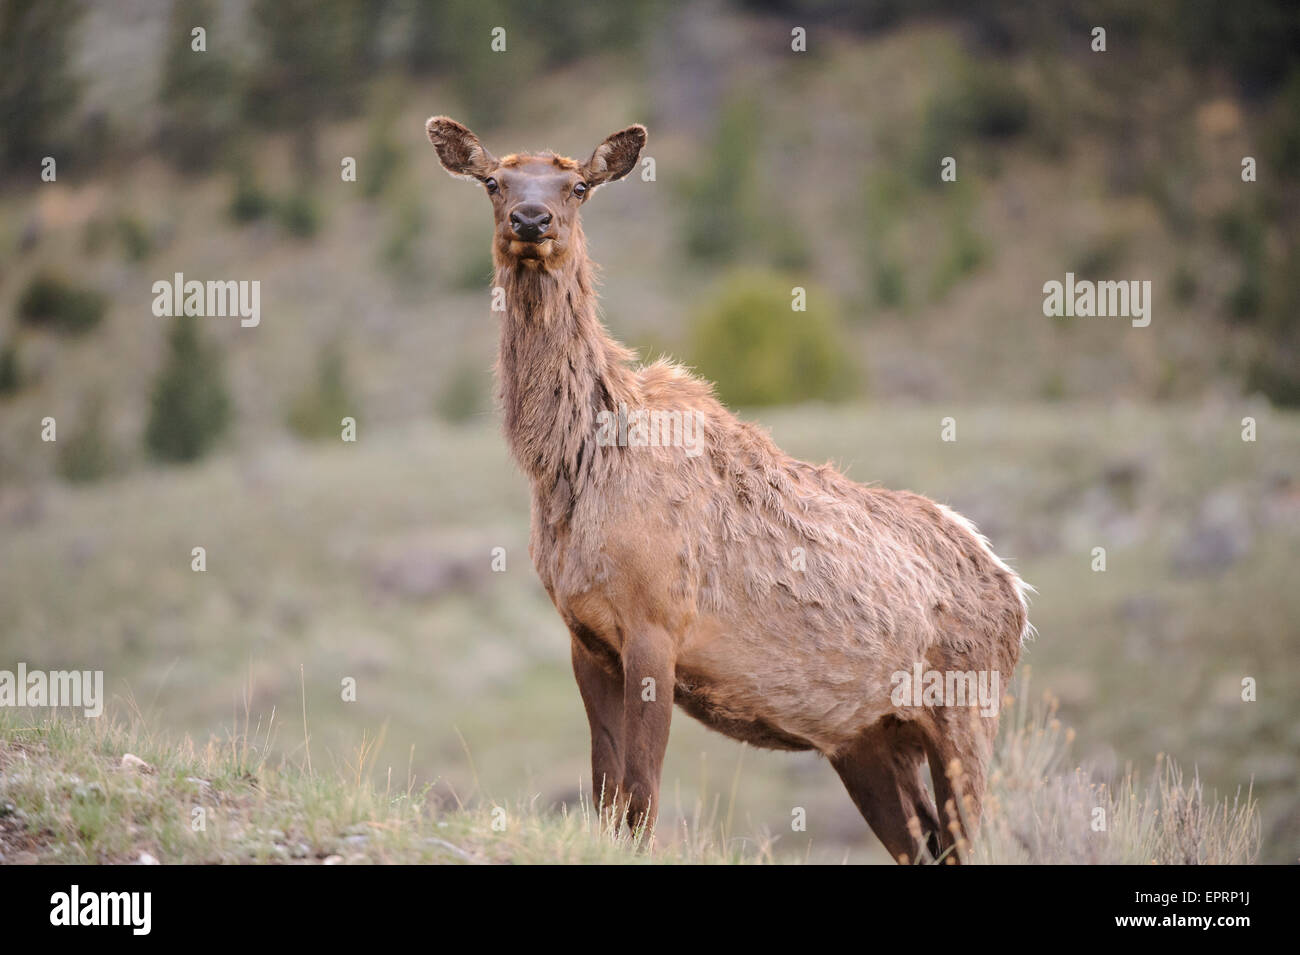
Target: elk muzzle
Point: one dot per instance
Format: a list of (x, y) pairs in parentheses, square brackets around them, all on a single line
[(530, 221)]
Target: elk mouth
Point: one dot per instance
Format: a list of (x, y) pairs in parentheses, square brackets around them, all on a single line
[(538, 248)]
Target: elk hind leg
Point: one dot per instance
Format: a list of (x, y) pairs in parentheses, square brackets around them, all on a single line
[(881, 770)]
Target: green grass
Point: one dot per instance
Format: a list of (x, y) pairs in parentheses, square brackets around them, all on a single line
[(111, 791), (372, 561)]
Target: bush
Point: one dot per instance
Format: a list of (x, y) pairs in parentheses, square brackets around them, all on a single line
[(1038, 811), (404, 231), (85, 456), (319, 410), (195, 97), (890, 284), (250, 202), (190, 408), (1273, 374), (137, 243), (299, 214), (10, 375), (40, 89), (760, 352), (719, 201), (1242, 229), (983, 101), (53, 301), (384, 160)]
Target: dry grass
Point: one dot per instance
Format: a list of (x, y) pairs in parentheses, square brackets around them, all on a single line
[(1040, 812), (68, 794)]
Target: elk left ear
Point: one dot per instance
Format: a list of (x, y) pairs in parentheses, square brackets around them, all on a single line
[(615, 157), (459, 150)]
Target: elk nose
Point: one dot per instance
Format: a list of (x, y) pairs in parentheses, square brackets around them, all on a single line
[(530, 222)]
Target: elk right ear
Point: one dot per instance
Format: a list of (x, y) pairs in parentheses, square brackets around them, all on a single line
[(615, 157), (459, 150)]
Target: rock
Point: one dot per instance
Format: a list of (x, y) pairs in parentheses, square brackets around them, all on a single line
[(146, 859), (333, 860)]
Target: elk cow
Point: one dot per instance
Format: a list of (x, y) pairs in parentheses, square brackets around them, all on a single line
[(676, 572)]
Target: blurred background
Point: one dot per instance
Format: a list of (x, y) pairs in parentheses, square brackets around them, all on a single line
[(773, 168)]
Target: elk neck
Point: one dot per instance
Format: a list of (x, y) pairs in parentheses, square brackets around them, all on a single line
[(557, 369)]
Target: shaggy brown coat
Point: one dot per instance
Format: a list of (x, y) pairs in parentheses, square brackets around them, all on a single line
[(678, 574)]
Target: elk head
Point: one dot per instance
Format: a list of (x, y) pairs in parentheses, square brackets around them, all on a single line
[(536, 197)]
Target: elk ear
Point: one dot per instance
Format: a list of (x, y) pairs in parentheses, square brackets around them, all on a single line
[(459, 150), (615, 157)]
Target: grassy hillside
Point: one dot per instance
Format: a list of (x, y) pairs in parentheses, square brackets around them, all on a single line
[(937, 287), (373, 561), (106, 791)]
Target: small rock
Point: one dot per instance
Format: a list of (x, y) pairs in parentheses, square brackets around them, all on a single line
[(131, 761), (356, 840), (146, 859), (333, 860)]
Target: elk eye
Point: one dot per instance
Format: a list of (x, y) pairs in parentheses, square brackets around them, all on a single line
[(491, 185), (580, 190)]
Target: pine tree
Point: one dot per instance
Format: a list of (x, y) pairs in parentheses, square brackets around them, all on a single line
[(190, 408), (37, 90), (196, 91)]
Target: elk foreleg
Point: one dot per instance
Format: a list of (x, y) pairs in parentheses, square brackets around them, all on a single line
[(602, 697), (648, 679)]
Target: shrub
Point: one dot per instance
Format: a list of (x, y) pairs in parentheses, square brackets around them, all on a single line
[(318, 411), (890, 284), (299, 214), (195, 94), (85, 456), (983, 101), (249, 202), (1274, 375), (719, 200), (190, 408), (404, 231), (137, 243), (51, 300), (964, 251), (759, 351), (1038, 812), (10, 374), (40, 88), (384, 160)]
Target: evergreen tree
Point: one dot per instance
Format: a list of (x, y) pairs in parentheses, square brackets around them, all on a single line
[(190, 407), (197, 90), (37, 90)]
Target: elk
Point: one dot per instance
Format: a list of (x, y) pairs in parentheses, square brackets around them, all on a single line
[(775, 601)]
